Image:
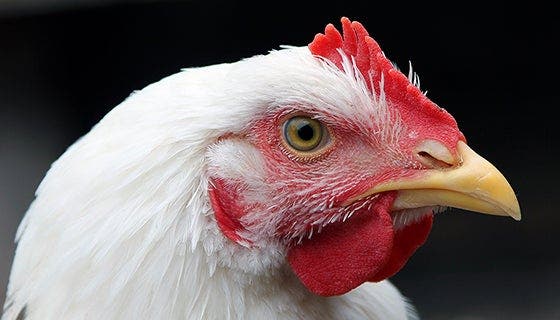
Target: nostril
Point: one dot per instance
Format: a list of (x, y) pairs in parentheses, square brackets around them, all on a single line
[(431, 162), (433, 154)]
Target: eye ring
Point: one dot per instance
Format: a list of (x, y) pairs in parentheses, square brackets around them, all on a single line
[(305, 136)]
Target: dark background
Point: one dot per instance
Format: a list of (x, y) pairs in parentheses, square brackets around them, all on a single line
[(63, 65)]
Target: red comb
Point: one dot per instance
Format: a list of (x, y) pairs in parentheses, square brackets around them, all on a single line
[(356, 43)]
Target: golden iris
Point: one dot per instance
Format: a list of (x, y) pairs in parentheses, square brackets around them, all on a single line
[(303, 133)]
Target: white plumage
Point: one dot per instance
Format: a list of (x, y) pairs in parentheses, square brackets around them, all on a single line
[(122, 228)]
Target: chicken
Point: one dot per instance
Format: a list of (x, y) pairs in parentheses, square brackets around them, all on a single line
[(289, 185)]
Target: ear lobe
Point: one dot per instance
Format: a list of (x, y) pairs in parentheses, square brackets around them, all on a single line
[(236, 179), (224, 199)]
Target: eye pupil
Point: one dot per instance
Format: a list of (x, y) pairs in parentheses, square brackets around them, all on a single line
[(305, 132)]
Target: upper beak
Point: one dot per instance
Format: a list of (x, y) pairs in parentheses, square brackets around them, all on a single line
[(474, 185)]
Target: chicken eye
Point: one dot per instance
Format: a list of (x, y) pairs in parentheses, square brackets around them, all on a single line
[(303, 133)]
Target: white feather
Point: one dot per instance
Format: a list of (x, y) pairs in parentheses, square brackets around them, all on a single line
[(121, 227)]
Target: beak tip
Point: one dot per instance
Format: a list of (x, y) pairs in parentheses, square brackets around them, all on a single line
[(515, 213)]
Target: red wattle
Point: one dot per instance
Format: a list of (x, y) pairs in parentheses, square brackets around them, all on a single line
[(405, 242), (346, 254), (363, 248)]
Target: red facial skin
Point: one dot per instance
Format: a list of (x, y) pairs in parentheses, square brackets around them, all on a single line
[(305, 190), (305, 193)]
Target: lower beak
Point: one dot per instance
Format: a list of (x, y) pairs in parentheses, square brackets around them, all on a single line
[(474, 185)]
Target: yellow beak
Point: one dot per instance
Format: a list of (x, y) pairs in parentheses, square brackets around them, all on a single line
[(474, 185)]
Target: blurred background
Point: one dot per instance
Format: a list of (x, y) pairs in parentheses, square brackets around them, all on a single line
[(64, 64)]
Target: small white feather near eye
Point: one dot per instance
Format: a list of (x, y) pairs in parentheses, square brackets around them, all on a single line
[(236, 159)]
